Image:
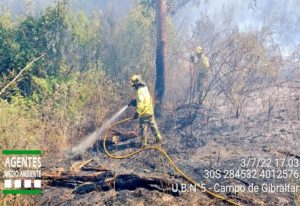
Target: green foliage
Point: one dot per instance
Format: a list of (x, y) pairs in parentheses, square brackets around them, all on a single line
[(18, 119), (131, 45), (84, 36), (52, 30), (8, 46), (81, 79), (25, 40)]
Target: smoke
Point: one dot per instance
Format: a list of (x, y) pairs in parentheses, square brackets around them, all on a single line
[(282, 17), (117, 8), (88, 141)]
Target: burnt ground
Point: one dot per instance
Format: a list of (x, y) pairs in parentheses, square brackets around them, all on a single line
[(214, 139)]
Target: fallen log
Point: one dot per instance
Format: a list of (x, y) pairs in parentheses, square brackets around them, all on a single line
[(84, 178), (129, 182), (94, 177), (62, 183), (76, 167), (133, 181), (93, 168), (106, 180), (89, 187)]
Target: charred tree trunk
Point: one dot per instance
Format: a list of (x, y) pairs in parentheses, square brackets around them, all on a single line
[(161, 37)]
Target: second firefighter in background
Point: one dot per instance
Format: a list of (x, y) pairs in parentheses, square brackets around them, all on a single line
[(199, 70), (144, 109)]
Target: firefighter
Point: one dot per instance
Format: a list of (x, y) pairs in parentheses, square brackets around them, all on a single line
[(203, 68), (144, 109)]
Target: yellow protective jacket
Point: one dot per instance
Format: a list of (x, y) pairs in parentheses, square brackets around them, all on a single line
[(144, 102), (204, 63)]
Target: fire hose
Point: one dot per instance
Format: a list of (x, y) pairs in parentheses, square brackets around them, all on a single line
[(164, 153)]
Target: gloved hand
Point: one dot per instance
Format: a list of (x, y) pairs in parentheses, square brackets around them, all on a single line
[(132, 103), (135, 116)]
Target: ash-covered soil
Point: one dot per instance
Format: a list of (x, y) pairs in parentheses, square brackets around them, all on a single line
[(212, 139)]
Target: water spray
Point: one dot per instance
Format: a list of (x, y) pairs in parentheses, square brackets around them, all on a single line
[(88, 141)]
